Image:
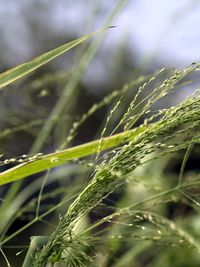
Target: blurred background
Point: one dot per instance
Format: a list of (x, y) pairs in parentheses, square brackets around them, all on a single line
[(148, 35)]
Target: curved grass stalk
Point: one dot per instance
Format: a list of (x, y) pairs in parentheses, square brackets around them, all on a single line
[(107, 176)]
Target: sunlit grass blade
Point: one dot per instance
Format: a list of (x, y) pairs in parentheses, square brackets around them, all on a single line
[(24, 69), (61, 157)]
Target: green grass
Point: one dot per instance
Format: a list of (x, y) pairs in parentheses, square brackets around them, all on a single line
[(12, 75), (124, 159), (39, 163)]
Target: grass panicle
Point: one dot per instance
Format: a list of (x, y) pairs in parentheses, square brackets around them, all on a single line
[(172, 132)]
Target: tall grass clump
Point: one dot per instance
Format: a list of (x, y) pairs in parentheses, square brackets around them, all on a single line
[(120, 214)]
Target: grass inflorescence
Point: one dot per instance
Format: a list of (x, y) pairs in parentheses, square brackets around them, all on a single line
[(176, 129)]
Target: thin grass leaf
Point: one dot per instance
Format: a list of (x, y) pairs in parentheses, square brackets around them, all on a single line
[(58, 158), (24, 69)]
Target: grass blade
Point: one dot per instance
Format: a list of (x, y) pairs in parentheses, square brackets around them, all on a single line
[(26, 68), (61, 157)]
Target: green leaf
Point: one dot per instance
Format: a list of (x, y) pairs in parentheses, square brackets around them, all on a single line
[(24, 69), (58, 158)]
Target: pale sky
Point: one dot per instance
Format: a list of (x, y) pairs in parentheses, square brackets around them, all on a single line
[(159, 32)]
